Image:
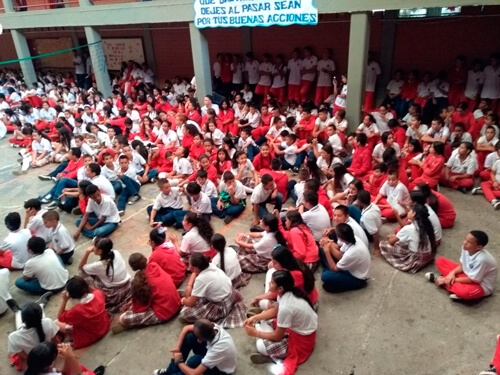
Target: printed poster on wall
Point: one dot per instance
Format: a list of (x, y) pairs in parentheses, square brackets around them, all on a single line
[(117, 50), (238, 13)]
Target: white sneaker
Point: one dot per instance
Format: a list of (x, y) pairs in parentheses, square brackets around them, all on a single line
[(455, 297), (477, 191), (431, 276), (496, 205)]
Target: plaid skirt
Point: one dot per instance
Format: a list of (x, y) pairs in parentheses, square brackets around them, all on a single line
[(400, 257), (229, 313), (242, 280), (116, 298), (145, 318), (251, 262), (277, 350)]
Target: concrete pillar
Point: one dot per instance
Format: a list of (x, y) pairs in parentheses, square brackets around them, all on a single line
[(247, 39), (74, 38), (388, 40), (359, 40), (8, 6), (201, 62), (23, 52), (149, 50), (99, 66)]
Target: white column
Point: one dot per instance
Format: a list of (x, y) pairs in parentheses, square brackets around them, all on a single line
[(201, 62), (98, 61)]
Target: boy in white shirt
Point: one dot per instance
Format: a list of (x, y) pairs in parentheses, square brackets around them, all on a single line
[(163, 210), (43, 272), (287, 152), (265, 192), (207, 186), (232, 198), (182, 168), (34, 221), (200, 204), (247, 144), (130, 184), (476, 274), (62, 241), (13, 250)]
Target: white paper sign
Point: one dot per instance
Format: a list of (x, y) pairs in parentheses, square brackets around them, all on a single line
[(238, 13)]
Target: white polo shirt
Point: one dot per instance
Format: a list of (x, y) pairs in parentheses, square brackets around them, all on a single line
[(308, 63), (373, 128), (443, 132), (491, 86), (394, 86), (232, 266), (62, 239), (296, 314), (104, 186), (381, 123), (260, 195), (213, 284), (111, 174), (221, 352), (209, 189), (371, 219), (325, 79), (294, 67), (182, 166), (264, 245), (481, 267), (203, 205), (172, 200), (378, 150), (17, 243), (279, 80), (496, 168), (43, 145), (436, 85), (265, 80), (317, 220), (106, 208), (47, 269), (252, 70), (468, 166), (23, 340), (356, 259), (409, 235), (372, 71), (167, 138), (36, 225), (358, 231), (290, 153), (192, 242), (422, 129), (118, 275), (436, 224), (239, 190), (490, 161), (396, 194), (4, 289), (474, 82)]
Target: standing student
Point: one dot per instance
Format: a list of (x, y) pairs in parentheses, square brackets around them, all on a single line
[(13, 249), (371, 219), (108, 274), (232, 198), (352, 271), (491, 86), (476, 274), (373, 72), (308, 71), (62, 241), (166, 204), (87, 320), (227, 260), (211, 295), (213, 351), (101, 217), (43, 272), (255, 248), (265, 192), (165, 255), (294, 337), (294, 68), (414, 246), (326, 70)]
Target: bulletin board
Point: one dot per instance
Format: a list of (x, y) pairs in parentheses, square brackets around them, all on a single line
[(123, 49), (63, 60)]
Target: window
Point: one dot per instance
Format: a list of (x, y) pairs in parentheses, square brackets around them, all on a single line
[(429, 12), (450, 11), (413, 13)]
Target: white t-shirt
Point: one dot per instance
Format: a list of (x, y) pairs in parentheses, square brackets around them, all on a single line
[(169, 137), (468, 166), (23, 340), (340, 101), (378, 150), (371, 219), (172, 200), (372, 72), (4, 289), (252, 69), (394, 86), (373, 128), (436, 224), (436, 85), (192, 242), (17, 242), (182, 166), (294, 67), (38, 228), (221, 352), (231, 263), (443, 132), (79, 65), (317, 220), (325, 79), (296, 314), (496, 168), (396, 194), (491, 158), (106, 208), (279, 80), (248, 170), (260, 195), (491, 87), (409, 235), (209, 189), (474, 82), (308, 63), (290, 153), (264, 246), (47, 269), (265, 80), (203, 205), (213, 284), (237, 69), (239, 190), (356, 259), (43, 145), (424, 89), (104, 186), (381, 123), (358, 231), (422, 130), (118, 275), (481, 267)]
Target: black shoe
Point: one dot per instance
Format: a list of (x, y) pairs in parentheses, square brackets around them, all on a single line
[(76, 211), (12, 303), (228, 219), (256, 228), (100, 370), (69, 261), (44, 299)]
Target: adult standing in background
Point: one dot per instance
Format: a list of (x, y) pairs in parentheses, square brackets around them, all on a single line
[(373, 72), (79, 65), (309, 66), (326, 70), (252, 70), (294, 67), (88, 71)]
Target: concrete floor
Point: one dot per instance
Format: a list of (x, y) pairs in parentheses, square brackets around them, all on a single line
[(399, 324)]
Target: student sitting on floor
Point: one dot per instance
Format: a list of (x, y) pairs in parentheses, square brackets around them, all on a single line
[(200, 204), (391, 196), (294, 337), (62, 241), (348, 265), (43, 272), (475, 276), (155, 298), (255, 248), (232, 198), (414, 246), (265, 192), (166, 204), (458, 172), (101, 217), (371, 220), (210, 295), (440, 204), (431, 168), (495, 362), (491, 189), (109, 273), (13, 250), (87, 321), (34, 220), (164, 254), (227, 260), (127, 176), (213, 351)]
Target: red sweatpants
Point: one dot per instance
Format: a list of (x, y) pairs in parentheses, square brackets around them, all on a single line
[(386, 212), (369, 100), (322, 93), (6, 259), (489, 192), (294, 93), (259, 132), (485, 174), (463, 182), (304, 89), (496, 357), (464, 291), (262, 90), (279, 93)]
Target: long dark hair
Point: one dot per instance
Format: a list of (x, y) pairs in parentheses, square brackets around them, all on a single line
[(284, 279), (32, 315), (157, 236), (140, 148), (390, 159), (40, 358), (236, 155), (204, 228), (141, 290), (199, 261), (284, 256), (339, 170), (218, 242), (425, 228), (429, 195), (272, 222), (107, 255)]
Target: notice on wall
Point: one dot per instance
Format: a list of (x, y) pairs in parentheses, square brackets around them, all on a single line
[(239, 13), (118, 50)]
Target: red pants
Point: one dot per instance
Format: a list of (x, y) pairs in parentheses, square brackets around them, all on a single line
[(489, 193), (259, 132), (6, 259), (304, 89), (467, 183), (369, 100), (432, 182), (337, 108), (262, 90), (294, 93), (279, 93), (322, 92), (386, 212), (454, 96), (496, 357), (464, 291), (485, 174), (481, 157), (471, 103), (234, 129), (19, 142)]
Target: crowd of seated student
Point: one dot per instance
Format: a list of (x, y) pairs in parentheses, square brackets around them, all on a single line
[(217, 157)]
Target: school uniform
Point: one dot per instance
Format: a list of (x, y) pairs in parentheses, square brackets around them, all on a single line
[(166, 206), (252, 70), (491, 84), (38, 228), (104, 186), (324, 84), (168, 138), (265, 81), (63, 240), (487, 186), (261, 197), (456, 166), (256, 260), (371, 220), (431, 171), (24, 339), (232, 266), (230, 209), (169, 260), (15, 249), (107, 208), (294, 67), (279, 82), (193, 242), (317, 220), (301, 243), (340, 102), (446, 212), (373, 70), (393, 195), (307, 78), (361, 162)]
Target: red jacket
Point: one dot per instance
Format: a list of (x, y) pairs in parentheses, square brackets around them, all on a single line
[(361, 161), (301, 243), (281, 180), (167, 258), (307, 127), (399, 135), (72, 168), (120, 122), (262, 163), (325, 202), (211, 175)]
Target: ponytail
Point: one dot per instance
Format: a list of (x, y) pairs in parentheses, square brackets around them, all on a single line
[(219, 244), (31, 316), (284, 279), (141, 290), (107, 254), (204, 228), (272, 222)]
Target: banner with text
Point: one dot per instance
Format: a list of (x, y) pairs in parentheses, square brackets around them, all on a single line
[(238, 13)]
